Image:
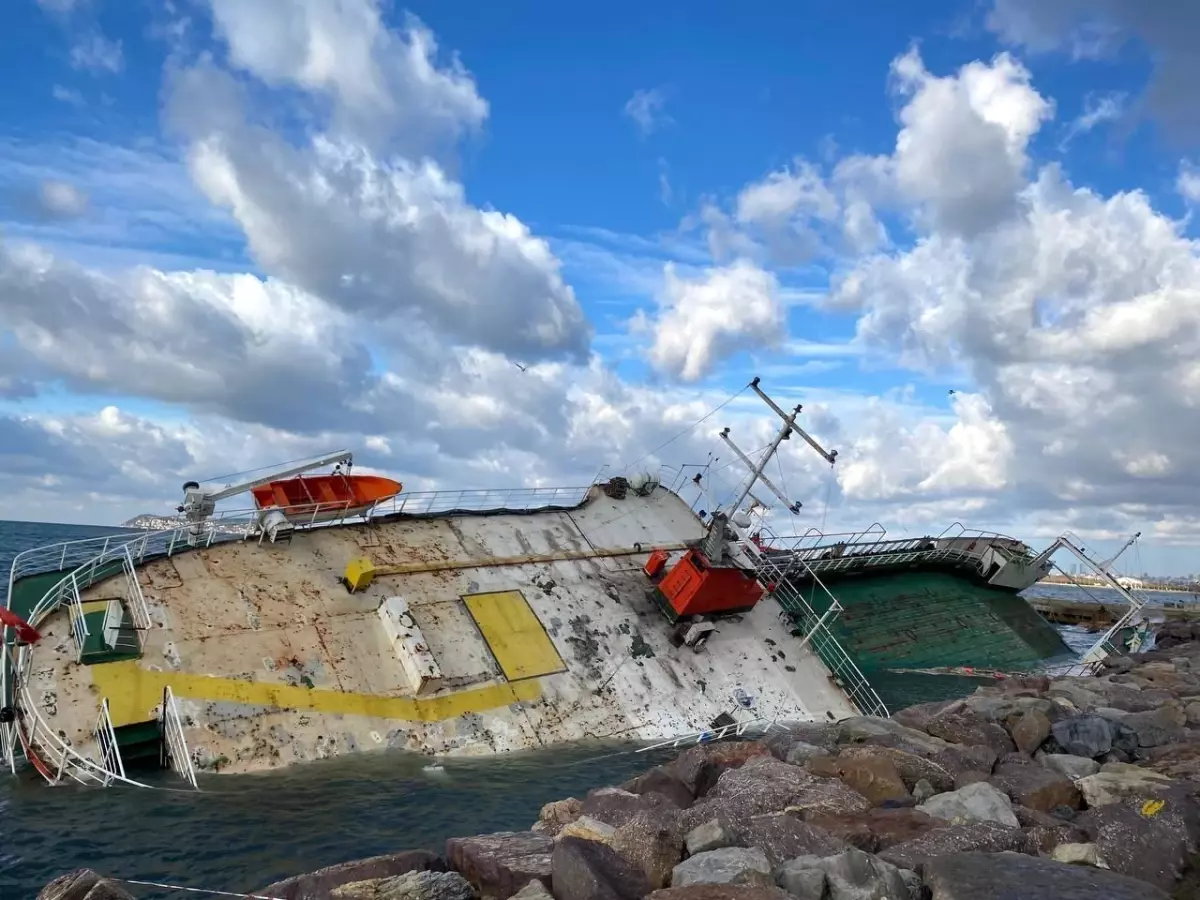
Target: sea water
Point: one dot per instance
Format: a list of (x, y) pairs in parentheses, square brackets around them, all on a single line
[(242, 832)]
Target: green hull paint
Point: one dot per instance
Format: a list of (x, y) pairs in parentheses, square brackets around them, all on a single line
[(936, 619)]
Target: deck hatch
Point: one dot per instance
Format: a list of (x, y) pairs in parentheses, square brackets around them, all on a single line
[(514, 634)]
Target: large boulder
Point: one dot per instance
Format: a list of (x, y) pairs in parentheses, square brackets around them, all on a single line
[(699, 767), (910, 766), (721, 892), (962, 726), (875, 829), (318, 884), (1073, 767), (651, 843), (850, 875), (1177, 760), (616, 806), (1036, 787), (710, 835), (1157, 727), (1118, 782), (557, 813), (979, 802), (781, 836), (1012, 876), (875, 777), (587, 870), (660, 780), (985, 837), (1090, 736), (1152, 848), (83, 884), (501, 864), (422, 885), (1029, 730), (729, 865)]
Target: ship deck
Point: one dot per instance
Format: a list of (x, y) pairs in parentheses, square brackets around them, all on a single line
[(541, 626)]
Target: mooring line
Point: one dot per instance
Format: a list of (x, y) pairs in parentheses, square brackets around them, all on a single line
[(192, 890)]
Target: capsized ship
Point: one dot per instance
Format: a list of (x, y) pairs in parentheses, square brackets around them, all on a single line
[(341, 615)]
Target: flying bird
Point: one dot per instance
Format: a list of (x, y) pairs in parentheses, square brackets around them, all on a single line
[(953, 391), (518, 365)]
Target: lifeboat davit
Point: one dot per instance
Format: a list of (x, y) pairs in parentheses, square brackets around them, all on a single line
[(324, 498)]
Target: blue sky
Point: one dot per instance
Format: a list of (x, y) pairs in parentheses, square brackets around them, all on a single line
[(694, 173)]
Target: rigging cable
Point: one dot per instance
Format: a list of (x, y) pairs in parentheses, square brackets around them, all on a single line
[(707, 415)]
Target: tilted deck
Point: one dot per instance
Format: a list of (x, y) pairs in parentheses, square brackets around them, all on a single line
[(271, 661)]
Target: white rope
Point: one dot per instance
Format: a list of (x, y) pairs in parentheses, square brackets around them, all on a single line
[(192, 890)]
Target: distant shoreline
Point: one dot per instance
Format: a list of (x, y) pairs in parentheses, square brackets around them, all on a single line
[(1109, 587)]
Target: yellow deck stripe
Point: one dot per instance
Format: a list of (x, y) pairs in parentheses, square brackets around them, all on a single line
[(515, 634), (133, 692)]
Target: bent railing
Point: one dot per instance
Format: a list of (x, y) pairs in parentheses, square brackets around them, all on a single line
[(174, 743)]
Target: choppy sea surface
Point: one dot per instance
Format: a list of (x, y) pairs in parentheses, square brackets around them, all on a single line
[(240, 833)]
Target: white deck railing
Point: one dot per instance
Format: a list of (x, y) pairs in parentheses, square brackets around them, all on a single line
[(93, 559), (178, 757), (106, 744), (736, 729)]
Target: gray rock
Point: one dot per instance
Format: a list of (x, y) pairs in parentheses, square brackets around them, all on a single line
[(802, 877), (616, 806), (857, 729), (728, 865), (1011, 876), (535, 890), (1157, 727), (1036, 787), (979, 802), (1154, 850), (409, 886), (1030, 731), (501, 864), (922, 791), (1087, 735), (1192, 713), (318, 884), (985, 837), (587, 870), (710, 835), (660, 780), (1117, 782), (83, 884), (781, 836), (962, 726), (851, 875), (721, 892), (801, 752), (1073, 767)]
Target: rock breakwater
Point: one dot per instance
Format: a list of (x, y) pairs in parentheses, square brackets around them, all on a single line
[(1030, 789)]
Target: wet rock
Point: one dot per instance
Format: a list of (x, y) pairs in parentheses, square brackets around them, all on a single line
[(721, 892), (1073, 767), (1036, 787), (1030, 730), (660, 781), (1117, 782), (873, 777), (709, 835), (409, 886), (83, 884), (318, 884), (922, 791), (501, 864), (975, 803), (1090, 736), (801, 752), (1151, 849), (964, 727), (850, 875), (586, 870), (699, 767), (876, 829), (728, 865), (1011, 876), (781, 836), (616, 806), (651, 843), (556, 814), (984, 837), (1077, 854)]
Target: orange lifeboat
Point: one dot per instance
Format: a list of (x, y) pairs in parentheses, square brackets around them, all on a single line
[(324, 498)]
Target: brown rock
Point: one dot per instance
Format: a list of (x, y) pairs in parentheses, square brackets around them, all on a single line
[(1176, 761), (721, 892), (699, 767), (83, 884), (660, 781), (557, 813), (1030, 730), (782, 837), (965, 727), (911, 767), (317, 884), (616, 807), (917, 717), (970, 776), (501, 864), (986, 837), (652, 844), (824, 766), (875, 829), (1037, 787), (874, 777), (586, 870)]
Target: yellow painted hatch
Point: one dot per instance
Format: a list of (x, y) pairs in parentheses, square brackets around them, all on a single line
[(514, 634)]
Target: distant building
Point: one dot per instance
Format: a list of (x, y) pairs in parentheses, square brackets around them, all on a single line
[(1126, 582)]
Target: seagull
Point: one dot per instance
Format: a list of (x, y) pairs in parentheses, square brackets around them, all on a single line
[(518, 365), (953, 391)]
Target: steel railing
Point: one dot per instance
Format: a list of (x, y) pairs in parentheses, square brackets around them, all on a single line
[(175, 744), (736, 729), (106, 743), (93, 559)]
